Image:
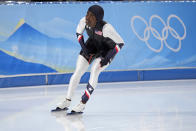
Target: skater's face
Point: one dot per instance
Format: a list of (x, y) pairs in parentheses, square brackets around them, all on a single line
[(90, 19)]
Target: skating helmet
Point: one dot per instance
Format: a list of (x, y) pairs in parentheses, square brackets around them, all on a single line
[(97, 11)]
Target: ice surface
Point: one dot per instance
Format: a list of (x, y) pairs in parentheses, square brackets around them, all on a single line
[(129, 106)]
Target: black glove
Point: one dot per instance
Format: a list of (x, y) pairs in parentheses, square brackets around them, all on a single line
[(104, 61), (110, 55)]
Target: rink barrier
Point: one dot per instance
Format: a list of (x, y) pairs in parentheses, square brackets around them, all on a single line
[(109, 76)]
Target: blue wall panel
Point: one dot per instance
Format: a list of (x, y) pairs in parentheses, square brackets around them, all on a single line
[(22, 81), (59, 79), (113, 76), (169, 74), (118, 76)]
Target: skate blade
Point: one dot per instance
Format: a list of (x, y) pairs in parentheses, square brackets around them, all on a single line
[(74, 113), (59, 109)]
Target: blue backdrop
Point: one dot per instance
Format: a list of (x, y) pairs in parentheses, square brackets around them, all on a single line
[(40, 37)]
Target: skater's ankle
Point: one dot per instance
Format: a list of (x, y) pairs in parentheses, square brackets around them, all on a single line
[(68, 99), (82, 102)]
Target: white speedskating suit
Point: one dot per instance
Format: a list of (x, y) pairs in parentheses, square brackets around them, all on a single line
[(101, 47)]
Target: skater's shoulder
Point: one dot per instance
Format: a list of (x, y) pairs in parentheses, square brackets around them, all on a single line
[(108, 27), (83, 19)]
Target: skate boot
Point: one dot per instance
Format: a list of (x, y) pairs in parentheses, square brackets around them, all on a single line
[(78, 109), (63, 106)]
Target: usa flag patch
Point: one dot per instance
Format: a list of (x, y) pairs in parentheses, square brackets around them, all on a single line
[(98, 32)]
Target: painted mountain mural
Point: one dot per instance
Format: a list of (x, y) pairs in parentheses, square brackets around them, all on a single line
[(10, 65), (29, 45)]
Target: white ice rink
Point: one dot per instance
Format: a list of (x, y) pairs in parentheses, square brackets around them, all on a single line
[(130, 106)]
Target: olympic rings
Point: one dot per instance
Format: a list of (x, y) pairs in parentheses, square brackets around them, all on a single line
[(164, 32)]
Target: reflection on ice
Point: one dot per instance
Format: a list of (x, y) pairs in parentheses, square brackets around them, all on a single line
[(69, 122)]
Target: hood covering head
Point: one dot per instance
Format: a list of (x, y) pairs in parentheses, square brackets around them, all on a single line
[(97, 11)]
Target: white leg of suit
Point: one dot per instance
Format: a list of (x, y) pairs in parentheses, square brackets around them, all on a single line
[(96, 69), (81, 67)]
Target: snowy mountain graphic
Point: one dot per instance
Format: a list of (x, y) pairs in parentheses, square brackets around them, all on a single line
[(29, 45)]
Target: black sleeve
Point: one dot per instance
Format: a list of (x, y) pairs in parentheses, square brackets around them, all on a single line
[(82, 44), (114, 48), (109, 42)]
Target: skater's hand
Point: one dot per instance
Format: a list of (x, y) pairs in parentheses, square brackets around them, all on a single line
[(104, 61)]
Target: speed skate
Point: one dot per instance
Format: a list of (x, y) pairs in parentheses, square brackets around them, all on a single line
[(74, 113), (57, 111)]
